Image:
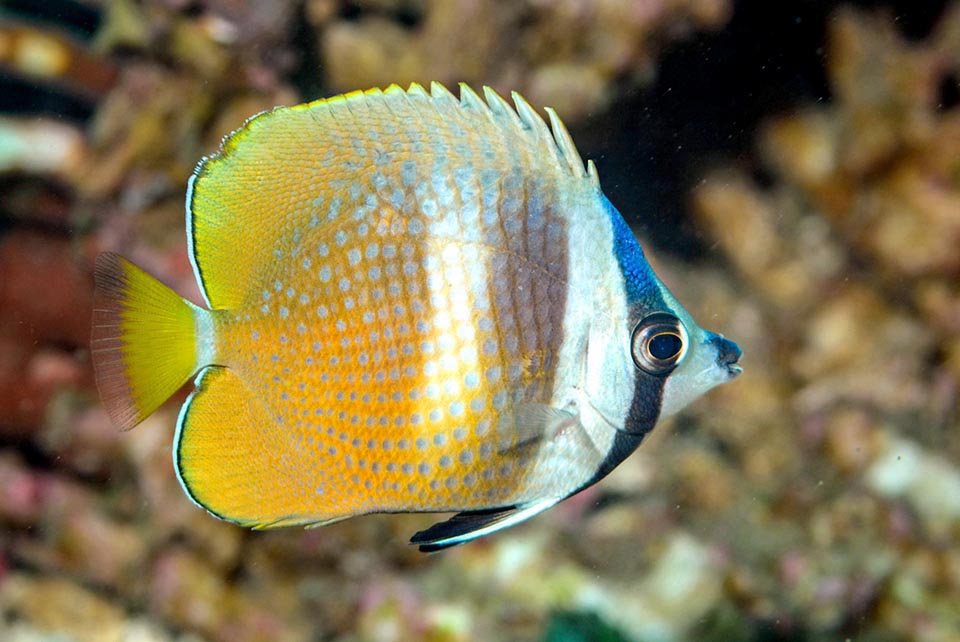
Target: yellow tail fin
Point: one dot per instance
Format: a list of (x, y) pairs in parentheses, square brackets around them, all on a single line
[(144, 342)]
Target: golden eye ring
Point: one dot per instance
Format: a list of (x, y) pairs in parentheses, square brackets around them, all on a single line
[(659, 343)]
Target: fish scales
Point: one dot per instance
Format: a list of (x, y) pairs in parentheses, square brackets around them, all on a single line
[(364, 340), (415, 303)]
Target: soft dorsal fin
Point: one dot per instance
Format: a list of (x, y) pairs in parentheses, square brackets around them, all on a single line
[(277, 176)]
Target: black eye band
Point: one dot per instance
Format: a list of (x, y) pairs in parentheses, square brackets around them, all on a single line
[(659, 343)]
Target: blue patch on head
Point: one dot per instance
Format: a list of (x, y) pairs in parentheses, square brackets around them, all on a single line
[(640, 281)]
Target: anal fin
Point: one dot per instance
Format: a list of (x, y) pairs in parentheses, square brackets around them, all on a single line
[(469, 525), (235, 460)]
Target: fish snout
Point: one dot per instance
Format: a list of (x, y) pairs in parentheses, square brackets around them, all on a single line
[(728, 353)]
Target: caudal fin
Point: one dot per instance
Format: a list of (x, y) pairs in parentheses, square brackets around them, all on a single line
[(144, 342)]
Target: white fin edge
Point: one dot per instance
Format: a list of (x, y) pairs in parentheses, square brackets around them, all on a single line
[(520, 515), (178, 433), (191, 252)]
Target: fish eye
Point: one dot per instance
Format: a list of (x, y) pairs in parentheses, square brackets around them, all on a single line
[(659, 343)]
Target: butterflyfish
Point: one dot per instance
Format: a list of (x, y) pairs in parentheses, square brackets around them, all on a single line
[(413, 303)]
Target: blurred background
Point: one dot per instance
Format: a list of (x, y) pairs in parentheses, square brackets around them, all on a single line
[(793, 169)]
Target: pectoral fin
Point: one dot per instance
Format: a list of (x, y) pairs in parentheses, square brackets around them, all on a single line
[(533, 423), (469, 525)]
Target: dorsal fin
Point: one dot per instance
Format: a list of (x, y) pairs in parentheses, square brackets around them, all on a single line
[(282, 169), (442, 97), (565, 143), (501, 109), (470, 100)]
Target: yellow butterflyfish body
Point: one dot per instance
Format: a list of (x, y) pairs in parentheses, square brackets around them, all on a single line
[(416, 303)]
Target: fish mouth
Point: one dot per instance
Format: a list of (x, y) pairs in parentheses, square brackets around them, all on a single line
[(728, 353)]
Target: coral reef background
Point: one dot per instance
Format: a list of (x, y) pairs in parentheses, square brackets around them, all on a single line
[(793, 169)]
